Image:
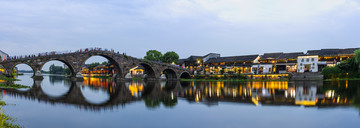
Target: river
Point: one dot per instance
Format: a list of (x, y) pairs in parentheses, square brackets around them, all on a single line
[(57, 102)]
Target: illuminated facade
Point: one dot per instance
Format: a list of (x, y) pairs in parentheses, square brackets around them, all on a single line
[(269, 63), (307, 64), (137, 71), (287, 62), (107, 70), (331, 57), (231, 65), (196, 63)]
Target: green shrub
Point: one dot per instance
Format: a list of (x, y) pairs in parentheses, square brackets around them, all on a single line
[(331, 72)]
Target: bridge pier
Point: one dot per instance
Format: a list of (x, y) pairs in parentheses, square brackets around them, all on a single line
[(77, 77), (172, 79), (38, 76)]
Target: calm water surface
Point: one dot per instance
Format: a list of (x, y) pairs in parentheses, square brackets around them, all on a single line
[(57, 102)]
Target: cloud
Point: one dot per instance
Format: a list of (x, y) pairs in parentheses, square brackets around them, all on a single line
[(193, 26), (250, 10)]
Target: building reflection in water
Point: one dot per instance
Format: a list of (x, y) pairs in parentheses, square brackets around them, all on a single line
[(304, 93), (307, 93)]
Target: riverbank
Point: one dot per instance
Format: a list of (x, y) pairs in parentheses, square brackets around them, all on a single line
[(5, 120), (240, 77), (235, 80), (6, 82), (342, 79), (4, 78)]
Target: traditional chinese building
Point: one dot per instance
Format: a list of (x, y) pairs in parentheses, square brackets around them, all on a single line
[(107, 69), (266, 63), (269, 63), (196, 63), (315, 60), (287, 62), (3, 56), (231, 64)]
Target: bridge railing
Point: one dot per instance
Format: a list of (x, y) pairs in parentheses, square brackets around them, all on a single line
[(58, 53)]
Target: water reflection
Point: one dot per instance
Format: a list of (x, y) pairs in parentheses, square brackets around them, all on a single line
[(98, 93), (96, 90)]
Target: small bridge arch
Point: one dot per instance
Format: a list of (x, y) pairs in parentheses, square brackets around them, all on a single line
[(170, 74)]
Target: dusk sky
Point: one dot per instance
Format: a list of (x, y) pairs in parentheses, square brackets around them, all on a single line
[(188, 27)]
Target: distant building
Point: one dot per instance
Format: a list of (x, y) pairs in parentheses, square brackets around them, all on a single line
[(3, 56)]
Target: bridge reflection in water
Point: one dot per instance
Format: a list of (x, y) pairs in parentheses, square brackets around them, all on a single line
[(155, 93)]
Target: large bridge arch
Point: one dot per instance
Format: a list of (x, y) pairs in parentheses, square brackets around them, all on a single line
[(111, 59), (71, 67), (34, 69)]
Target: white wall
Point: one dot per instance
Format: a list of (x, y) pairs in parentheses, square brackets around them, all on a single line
[(307, 60)]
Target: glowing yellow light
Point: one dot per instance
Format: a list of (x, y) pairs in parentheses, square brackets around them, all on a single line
[(305, 103), (254, 101)]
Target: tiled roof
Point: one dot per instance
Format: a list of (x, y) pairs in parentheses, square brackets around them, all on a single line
[(232, 59), (348, 50), (292, 55), (180, 61), (331, 52), (271, 55), (4, 53), (191, 58)]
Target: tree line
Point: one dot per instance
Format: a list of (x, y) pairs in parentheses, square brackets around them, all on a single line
[(168, 57), (57, 70)]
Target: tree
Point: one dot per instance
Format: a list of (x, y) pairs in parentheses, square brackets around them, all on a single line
[(56, 69), (153, 55), (357, 58), (67, 71), (105, 63), (349, 65), (170, 57), (93, 65), (331, 72)]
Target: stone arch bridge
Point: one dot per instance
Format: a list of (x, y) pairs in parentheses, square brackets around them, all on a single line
[(76, 60)]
